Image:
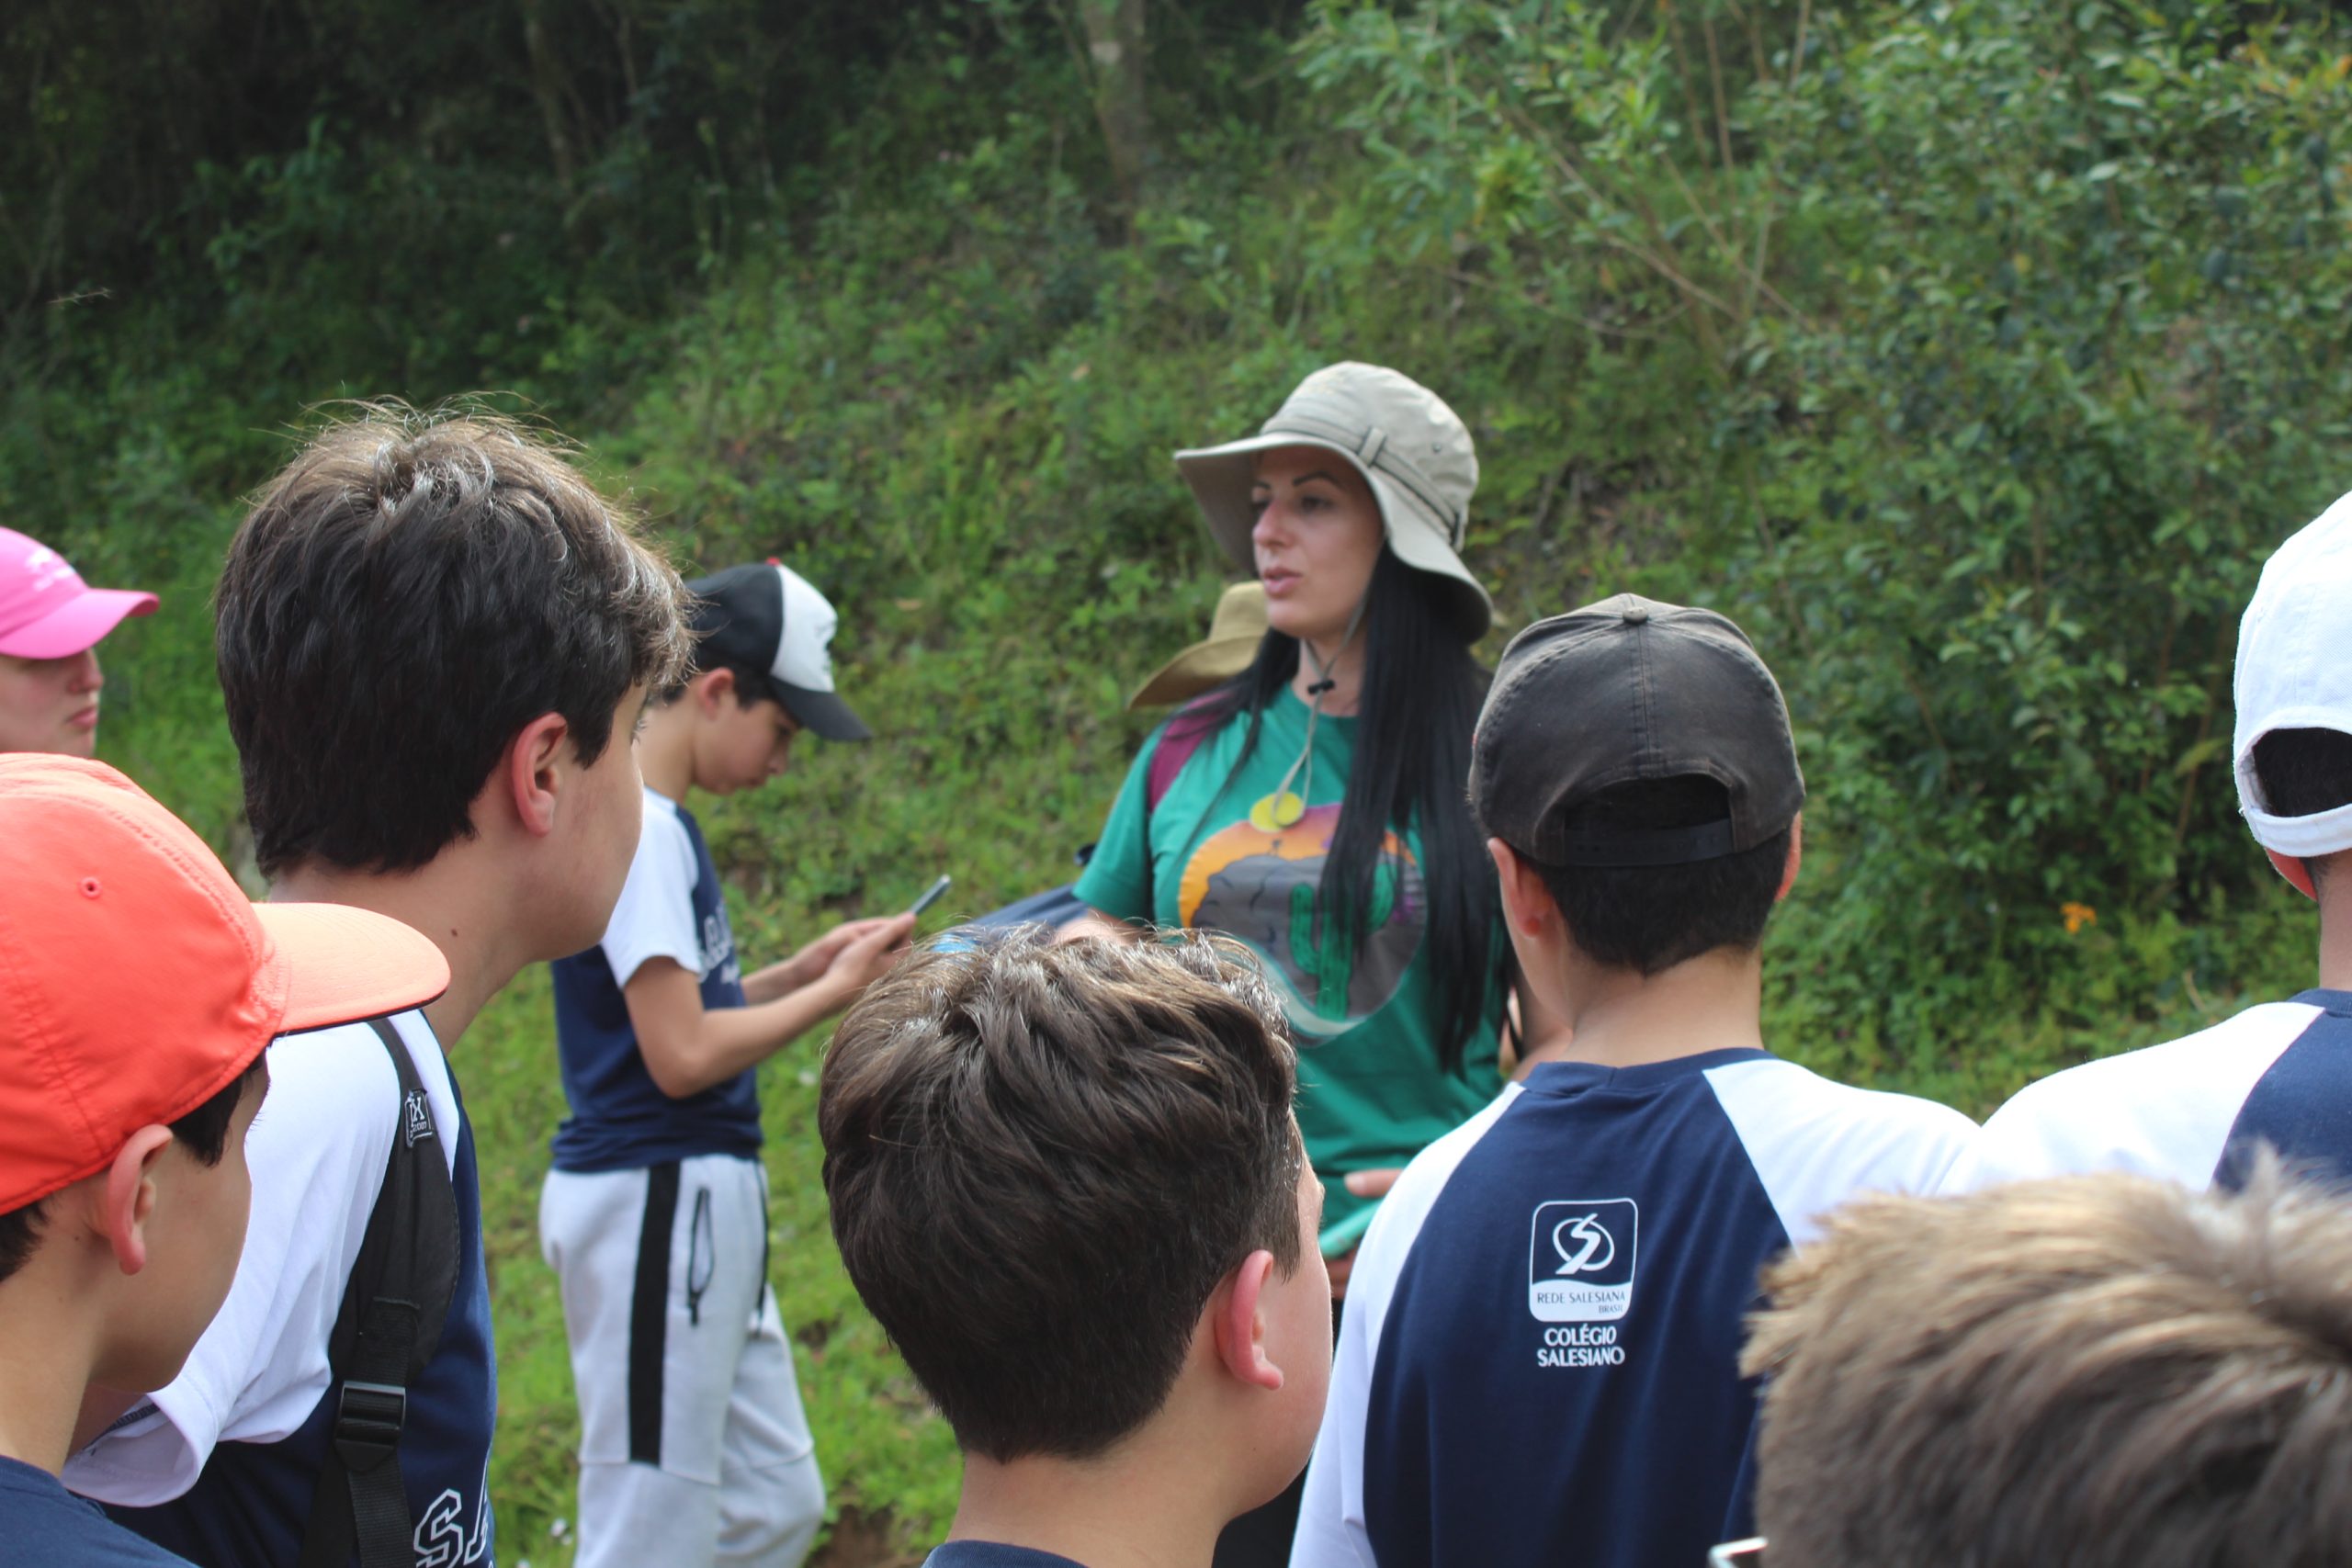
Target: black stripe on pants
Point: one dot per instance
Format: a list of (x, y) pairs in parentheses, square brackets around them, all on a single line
[(649, 1314)]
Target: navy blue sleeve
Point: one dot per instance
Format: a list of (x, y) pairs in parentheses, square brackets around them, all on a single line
[(2301, 1107)]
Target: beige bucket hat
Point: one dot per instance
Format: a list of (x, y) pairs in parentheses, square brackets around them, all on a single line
[(1413, 450), (1235, 632)]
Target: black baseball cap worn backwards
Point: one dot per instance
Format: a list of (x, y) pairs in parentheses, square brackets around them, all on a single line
[(767, 620), (1631, 690)]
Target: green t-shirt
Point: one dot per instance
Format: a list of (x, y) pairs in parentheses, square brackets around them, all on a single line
[(1370, 1091)]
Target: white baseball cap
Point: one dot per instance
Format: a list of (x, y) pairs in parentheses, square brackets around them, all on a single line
[(2294, 672), (769, 619)]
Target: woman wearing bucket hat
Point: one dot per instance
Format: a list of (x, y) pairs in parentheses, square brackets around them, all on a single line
[(1313, 805)]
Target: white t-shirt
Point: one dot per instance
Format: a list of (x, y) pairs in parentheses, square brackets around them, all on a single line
[(656, 915), (258, 1372), (672, 906), (2280, 1074)]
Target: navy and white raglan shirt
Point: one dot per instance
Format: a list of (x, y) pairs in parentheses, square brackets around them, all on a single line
[(44, 1523), (1538, 1363), (673, 907), (992, 1554), (220, 1465), (2191, 1110)]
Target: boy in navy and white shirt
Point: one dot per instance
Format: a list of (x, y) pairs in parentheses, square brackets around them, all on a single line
[(443, 739), (693, 1445), (2195, 1110), (1538, 1363)]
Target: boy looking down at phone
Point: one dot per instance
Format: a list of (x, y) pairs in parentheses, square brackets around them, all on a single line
[(693, 1446), (1068, 1183), (1539, 1362), (129, 1089)]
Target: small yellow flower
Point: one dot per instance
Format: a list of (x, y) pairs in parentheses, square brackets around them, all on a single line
[(2077, 916)]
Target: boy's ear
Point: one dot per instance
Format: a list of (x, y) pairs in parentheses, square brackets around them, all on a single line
[(2297, 872), (712, 687), (1796, 857), (129, 1197), (1527, 903), (540, 749), (1240, 1328)]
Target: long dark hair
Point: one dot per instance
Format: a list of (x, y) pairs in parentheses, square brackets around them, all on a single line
[(1410, 770)]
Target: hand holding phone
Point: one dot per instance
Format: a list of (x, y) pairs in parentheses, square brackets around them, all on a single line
[(931, 895)]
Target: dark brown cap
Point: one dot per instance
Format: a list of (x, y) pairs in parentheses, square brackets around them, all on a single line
[(1630, 690)]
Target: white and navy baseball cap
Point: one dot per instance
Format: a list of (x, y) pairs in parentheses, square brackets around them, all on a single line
[(767, 620), (2294, 672)]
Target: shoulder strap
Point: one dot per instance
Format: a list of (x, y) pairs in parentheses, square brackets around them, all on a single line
[(1178, 740), (393, 1312)]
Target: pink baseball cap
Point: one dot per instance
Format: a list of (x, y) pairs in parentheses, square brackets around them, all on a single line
[(46, 610)]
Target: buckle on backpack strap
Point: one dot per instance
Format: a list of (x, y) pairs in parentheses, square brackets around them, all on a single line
[(368, 1422)]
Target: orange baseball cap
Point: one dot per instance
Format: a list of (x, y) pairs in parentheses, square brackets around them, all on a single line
[(137, 980)]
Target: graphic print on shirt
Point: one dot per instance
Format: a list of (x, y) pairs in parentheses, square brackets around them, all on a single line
[(1580, 1261), (1257, 881), (718, 949), (440, 1539)]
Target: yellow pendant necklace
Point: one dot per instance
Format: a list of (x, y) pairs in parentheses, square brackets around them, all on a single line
[(1284, 808)]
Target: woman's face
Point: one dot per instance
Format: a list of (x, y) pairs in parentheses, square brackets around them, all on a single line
[(50, 704), (1317, 539)]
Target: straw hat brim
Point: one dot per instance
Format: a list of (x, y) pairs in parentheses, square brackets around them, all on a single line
[(1221, 479), (1195, 670)]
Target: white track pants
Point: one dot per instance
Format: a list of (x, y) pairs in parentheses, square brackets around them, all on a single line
[(694, 1447)]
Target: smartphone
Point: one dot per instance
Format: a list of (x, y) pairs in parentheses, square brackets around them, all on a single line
[(1341, 1234), (931, 895)]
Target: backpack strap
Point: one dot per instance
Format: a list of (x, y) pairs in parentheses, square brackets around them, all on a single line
[(1179, 740), (390, 1322)]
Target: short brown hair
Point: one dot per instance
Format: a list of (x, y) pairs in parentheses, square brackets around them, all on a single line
[(2099, 1371), (1650, 918), (1042, 1161), (410, 593)]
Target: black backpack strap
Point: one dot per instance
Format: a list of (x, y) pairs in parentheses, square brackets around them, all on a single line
[(391, 1322)]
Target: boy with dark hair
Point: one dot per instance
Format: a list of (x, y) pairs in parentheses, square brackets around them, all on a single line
[(2099, 1370), (1068, 1183), (1539, 1359), (123, 1181), (434, 638), (694, 1447), (51, 624), (2193, 1109)]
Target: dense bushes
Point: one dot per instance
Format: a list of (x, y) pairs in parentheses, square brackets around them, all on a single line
[(2004, 339)]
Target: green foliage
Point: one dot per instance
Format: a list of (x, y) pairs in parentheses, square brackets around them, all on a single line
[(2007, 338), (1972, 355)]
